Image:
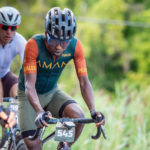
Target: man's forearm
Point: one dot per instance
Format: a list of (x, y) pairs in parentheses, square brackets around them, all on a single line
[(88, 97), (34, 100)]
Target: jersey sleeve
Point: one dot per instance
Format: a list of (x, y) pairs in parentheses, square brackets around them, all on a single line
[(22, 48), (21, 42), (31, 54), (79, 60)]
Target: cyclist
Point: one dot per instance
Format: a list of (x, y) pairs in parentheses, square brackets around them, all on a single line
[(45, 58), (11, 44)]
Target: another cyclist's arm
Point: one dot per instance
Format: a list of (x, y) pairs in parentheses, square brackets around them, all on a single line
[(1, 91), (10, 120), (21, 46), (30, 71)]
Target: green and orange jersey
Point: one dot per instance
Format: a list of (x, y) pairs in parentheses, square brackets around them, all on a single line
[(38, 60)]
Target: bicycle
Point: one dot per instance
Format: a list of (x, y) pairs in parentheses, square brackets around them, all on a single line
[(65, 130), (11, 138)]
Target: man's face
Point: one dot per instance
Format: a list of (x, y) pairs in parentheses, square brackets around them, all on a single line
[(54, 50), (56, 47), (6, 34)]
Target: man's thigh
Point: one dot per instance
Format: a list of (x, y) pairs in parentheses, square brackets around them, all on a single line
[(26, 113), (8, 81), (60, 102)]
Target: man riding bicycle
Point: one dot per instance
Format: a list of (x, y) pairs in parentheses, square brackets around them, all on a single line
[(11, 44), (45, 58)]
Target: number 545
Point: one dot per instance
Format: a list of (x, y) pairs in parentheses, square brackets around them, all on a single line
[(65, 133)]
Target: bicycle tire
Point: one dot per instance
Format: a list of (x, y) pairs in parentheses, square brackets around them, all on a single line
[(4, 135), (20, 145)]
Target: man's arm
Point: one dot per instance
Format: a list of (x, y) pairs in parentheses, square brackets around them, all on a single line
[(87, 92), (1, 91), (30, 80)]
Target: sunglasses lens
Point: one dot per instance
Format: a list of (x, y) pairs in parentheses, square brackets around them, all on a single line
[(5, 27), (13, 28)]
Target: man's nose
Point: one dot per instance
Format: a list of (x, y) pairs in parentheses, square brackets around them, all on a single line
[(58, 46), (9, 31)]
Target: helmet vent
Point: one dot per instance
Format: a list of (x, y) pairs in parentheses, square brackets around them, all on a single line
[(69, 23), (56, 31), (69, 33), (2, 16), (56, 21), (56, 12), (63, 31), (63, 17), (69, 14), (10, 16), (16, 17)]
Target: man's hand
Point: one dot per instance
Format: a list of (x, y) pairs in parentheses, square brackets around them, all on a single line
[(98, 117), (10, 121), (40, 119)]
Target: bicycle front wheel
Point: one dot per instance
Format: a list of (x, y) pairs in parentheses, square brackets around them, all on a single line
[(20, 145), (3, 135)]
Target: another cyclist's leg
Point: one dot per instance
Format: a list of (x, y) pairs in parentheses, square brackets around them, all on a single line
[(1, 90), (62, 105), (10, 82), (13, 90)]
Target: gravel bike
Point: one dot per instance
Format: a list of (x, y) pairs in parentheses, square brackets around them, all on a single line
[(65, 130), (11, 138)]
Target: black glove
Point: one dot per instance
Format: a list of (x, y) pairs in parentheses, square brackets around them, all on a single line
[(40, 120), (96, 118)]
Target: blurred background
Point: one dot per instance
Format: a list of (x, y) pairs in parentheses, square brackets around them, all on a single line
[(116, 39)]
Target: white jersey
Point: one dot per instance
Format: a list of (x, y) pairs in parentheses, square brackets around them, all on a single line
[(9, 51)]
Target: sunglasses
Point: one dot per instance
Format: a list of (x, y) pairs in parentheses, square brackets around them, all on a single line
[(4, 27), (55, 42)]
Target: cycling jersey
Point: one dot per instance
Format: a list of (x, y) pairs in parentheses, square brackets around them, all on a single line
[(9, 51), (39, 61)]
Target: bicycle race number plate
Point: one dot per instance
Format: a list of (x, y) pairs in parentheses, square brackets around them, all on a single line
[(65, 133)]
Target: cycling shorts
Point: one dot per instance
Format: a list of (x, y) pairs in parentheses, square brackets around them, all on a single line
[(55, 102), (8, 81)]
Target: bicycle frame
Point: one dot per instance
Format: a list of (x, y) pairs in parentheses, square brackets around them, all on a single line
[(12, 132)]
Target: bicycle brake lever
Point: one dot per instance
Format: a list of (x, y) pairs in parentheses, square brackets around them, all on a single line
[(37, 133), (98, 134)]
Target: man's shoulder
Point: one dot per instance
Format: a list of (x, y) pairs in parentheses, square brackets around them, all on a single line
[(38, 36), (18, 38)]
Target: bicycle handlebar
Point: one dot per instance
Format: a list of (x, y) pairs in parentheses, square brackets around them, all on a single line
[(8, 99), (80, 120)]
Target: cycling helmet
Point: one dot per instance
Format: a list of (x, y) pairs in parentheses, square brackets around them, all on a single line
[(60, 24), (9, 16)]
